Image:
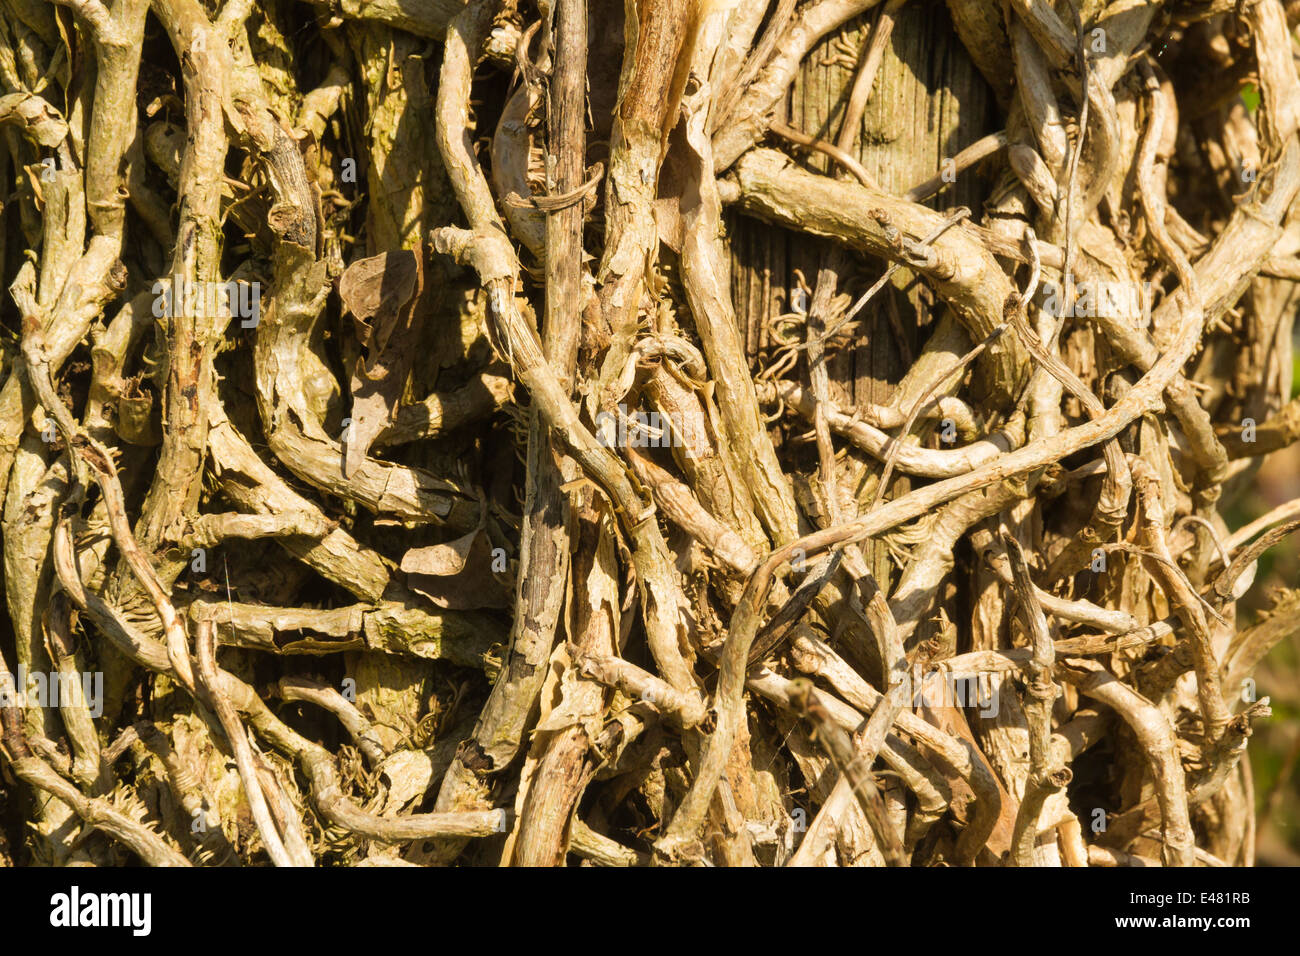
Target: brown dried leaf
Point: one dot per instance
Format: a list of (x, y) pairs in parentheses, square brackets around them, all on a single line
[(382, 293), (457, 574), (374, 290), (442, 560)]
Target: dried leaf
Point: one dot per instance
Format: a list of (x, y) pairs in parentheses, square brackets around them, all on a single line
[(457, 574), (408, 774), (374, 290), (382, 293), (441, 560)]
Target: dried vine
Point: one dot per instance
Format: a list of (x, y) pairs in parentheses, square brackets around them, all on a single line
[(396, 469)]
